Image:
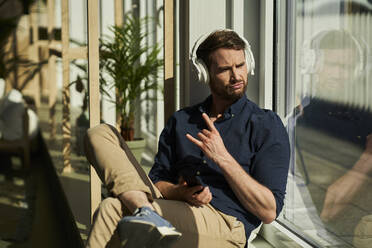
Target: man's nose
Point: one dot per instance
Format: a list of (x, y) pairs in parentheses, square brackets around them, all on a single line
[(234, 74)]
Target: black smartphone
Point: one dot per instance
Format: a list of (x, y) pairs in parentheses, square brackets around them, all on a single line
[(191, 180), (191, 176)]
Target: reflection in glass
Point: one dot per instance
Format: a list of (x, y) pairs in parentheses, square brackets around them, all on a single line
[(331, 125)]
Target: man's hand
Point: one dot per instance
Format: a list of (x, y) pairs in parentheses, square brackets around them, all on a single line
[(342, 191), (210, 141), (195, 196)]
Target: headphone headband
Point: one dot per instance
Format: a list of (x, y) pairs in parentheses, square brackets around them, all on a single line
[(310, 61), (201, 68)]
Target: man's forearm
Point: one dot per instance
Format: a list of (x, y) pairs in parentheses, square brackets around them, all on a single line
[(364, 164), (255, 197), (169, 190)]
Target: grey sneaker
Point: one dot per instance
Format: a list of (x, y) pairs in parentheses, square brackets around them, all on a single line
[(145, 228)]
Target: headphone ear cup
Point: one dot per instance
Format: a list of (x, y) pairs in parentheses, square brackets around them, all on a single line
[(308, 64), (202, 71), (249, 58), (360, 68)]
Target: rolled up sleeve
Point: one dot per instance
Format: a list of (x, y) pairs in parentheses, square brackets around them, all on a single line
[(271, 162)]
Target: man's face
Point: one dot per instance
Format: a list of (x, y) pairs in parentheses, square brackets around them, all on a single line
[(228, 74), (336, 74), (337, 69)]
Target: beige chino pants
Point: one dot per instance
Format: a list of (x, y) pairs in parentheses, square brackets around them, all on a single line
[(120, 172)]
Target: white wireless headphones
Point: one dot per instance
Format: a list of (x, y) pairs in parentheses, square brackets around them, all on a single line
[(311, 57), (201, 68)]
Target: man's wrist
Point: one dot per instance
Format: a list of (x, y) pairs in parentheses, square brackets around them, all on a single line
[(364, 164), (169, 190), (175, 192), (225, 161)]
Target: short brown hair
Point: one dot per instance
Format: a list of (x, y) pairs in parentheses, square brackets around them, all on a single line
[(216, 40)]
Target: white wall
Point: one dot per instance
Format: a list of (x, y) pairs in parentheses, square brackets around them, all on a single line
[(107, 14), (204, 17), (252, 34), (78, 32)]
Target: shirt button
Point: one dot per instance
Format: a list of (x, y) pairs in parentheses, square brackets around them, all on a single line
[(204, 162), (198, 173), (232, 115)]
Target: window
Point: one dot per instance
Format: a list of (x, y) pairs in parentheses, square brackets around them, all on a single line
[(323, 91)]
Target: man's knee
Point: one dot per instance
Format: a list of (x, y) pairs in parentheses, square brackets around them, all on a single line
[(97, 134)]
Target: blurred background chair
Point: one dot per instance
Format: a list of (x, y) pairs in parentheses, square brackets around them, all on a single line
[(21, 146), (19, 127)]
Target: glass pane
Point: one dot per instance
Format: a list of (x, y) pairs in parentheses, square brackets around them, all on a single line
[(328, 94), (64, 116), (138, 104), (78, 23), (78, 176)]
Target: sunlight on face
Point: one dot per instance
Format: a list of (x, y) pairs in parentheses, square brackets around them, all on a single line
[(228, 73)]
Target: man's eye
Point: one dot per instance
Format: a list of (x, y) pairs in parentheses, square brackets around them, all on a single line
[(223, 69)]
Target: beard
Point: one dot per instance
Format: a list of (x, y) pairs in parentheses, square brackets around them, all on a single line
[(226, 92)]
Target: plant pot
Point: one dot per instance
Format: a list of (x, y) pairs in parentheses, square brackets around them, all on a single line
[(127, 133), (137, 147)]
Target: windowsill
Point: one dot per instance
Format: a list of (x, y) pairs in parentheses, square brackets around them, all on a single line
[(276, 235)]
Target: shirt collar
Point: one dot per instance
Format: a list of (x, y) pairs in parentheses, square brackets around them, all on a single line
[(205, 106), (234, 109)]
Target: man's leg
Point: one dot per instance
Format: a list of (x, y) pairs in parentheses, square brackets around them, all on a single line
[(116, 166), (122, 175), (200, 226), (134, 199), (106, 218)]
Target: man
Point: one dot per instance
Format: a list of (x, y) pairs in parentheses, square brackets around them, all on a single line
[(238, 152), (335, 130)]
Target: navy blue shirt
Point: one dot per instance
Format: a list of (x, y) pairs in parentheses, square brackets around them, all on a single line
[(256, 138), (348, 123)]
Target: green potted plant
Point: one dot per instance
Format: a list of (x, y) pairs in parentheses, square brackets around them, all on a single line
[(133, 68)]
